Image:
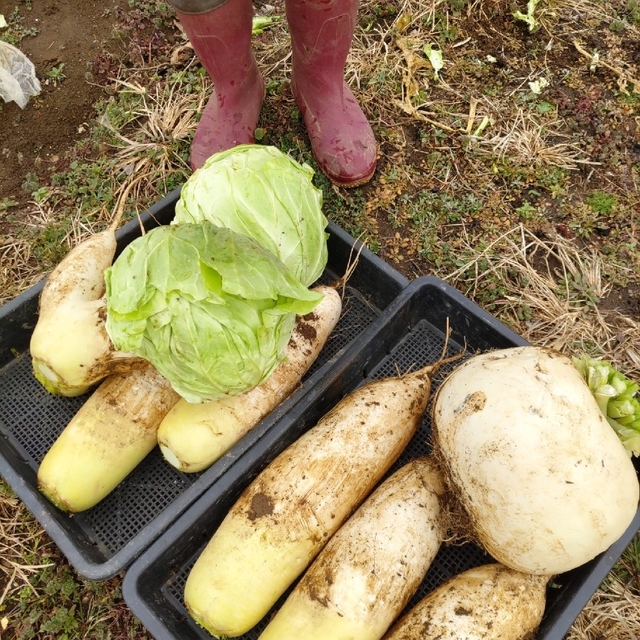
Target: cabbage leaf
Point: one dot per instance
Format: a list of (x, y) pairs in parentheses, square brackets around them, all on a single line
[(211, 309), (616, 396), (262, 193)]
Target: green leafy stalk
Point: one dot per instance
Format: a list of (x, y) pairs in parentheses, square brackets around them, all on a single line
[(528, 17), (616, 397), (260, 23)]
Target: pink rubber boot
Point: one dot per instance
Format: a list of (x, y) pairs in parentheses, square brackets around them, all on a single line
[(341, 138), (221, 39)]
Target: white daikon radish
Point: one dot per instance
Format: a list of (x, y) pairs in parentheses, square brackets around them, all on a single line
[(193, 436), (70, 348), (365, 575), (109, 436), (491, 602), (545, 481), (287, 514)]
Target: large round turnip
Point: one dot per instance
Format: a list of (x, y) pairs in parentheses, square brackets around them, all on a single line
[(543, 478)]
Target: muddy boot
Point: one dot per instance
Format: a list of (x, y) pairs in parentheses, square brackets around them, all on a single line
[(221, 38), (341, 138)]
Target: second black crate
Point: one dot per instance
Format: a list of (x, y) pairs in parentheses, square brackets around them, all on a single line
[(409, 334)]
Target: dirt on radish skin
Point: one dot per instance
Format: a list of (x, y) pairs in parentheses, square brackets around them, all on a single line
[(490, 602), (194, 436), (70, 349), (289, 512), (114, 430), (365, 575)]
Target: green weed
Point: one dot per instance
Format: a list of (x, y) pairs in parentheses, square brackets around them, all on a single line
[(347, 208), (633, 10), (16, 30), (30, 183), (7, 203), (56, 75), (602, 202), (429, 212), (87, 184), (527, 211)]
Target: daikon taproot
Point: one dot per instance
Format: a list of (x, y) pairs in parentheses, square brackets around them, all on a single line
[(490, 602), (114, 430), (70, 349), (288, 513), (193, 436), (365, 575), (532, 461)]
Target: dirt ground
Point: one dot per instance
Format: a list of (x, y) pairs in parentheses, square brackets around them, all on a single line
[(37, 138)]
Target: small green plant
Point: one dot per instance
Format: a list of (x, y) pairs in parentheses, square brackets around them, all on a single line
[(602, 202), (528, 17), (458, 5), (7, 203), (578, 290), (617, 26), (48, 243), (16, 31), (633, 10), (56, 75), (31, 183), (40, 195), (526, 211), (160, 13), (545, 107), (89, 184)]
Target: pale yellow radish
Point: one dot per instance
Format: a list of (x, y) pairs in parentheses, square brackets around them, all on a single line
[(365, 575), (109, 436), (70, 348), (288, 513), (193, 436), (544, 479), (491, 602)]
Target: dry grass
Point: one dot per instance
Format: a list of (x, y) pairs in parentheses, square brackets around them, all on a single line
[(612, 614), (526, 141), (146, 154), (560, 287), (17, 542), (18, 270)]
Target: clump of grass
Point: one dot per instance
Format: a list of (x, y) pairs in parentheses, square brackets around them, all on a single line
[(549, 291), (526, 142), (613, 613), (41, 596)]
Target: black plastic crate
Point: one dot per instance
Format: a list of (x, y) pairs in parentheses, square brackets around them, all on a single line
[(103, 540), (409, 334)]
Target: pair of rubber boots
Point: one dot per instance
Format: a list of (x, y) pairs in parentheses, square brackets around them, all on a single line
[(321, 31)]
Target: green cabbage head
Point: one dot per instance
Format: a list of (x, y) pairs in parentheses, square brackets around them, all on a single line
[(211, 309), (262, 193)]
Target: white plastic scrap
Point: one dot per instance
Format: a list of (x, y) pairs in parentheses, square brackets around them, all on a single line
[(18, 81)]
